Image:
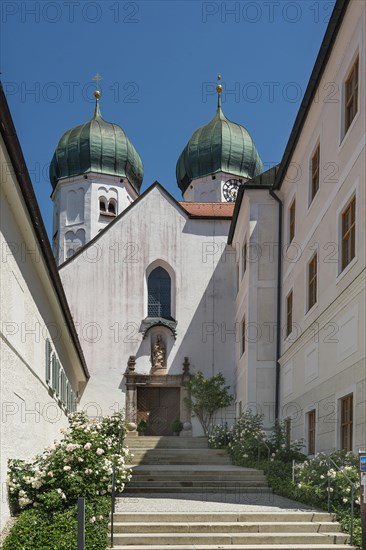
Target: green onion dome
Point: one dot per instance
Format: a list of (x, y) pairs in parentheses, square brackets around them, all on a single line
[(219, 146), (96, 146)]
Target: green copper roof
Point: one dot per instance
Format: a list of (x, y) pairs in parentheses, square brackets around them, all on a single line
[(96, 146), (219, 146)]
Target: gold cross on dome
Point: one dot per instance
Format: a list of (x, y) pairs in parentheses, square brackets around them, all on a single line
[(97, 77)]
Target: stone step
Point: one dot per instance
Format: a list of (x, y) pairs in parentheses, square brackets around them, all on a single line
[(166, 442), (214, 517), (176, 462), (166, 539), (219, 527), (242, 547), (201, 455), (136, 482), (183, 479), (211, 489)]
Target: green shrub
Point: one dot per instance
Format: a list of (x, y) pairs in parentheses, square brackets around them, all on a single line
[(311, 485), (219, 437), (177, 426), (206, 396), (40, 530), (78, 465), (245, 437)]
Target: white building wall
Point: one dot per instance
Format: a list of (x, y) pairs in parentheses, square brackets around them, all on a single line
[(109, 315), (256, 301), (31, 417), (324, 358)]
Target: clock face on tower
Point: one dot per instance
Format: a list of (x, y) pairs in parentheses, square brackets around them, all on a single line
[(230, 190)]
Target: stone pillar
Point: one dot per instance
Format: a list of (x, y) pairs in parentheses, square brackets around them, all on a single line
[(131, 397), (185, 413)]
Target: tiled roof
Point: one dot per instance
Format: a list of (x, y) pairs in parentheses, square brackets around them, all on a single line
[(209, 209)]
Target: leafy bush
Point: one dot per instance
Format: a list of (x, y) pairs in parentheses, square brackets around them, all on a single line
[(313, 477), (78, 465), (39, 530), (311, 485), (177, 426), (219, 437), (245, 436), (282, 447), (206, 396)]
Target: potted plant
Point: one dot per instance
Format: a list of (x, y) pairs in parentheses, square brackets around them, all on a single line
[(177, 426), (141, 427)]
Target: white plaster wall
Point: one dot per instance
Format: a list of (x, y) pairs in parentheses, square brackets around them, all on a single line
[(106, 289), (30, 416), (342, 162), (256, 301)]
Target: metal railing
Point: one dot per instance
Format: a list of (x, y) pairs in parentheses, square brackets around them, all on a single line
[(330, 462), (81, 523), (261, 441), (113, 507)]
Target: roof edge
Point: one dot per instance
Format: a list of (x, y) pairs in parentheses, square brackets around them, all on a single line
[(21, 173), (325, 51)]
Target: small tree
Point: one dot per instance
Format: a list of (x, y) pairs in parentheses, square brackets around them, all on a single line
[(206, 396)]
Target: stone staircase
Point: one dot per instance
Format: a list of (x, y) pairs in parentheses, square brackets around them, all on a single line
[(185, 468)]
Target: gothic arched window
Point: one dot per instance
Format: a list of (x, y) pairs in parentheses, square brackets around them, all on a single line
[(159, 293)]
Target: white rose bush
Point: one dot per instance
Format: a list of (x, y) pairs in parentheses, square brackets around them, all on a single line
[(80, 464), (315, 477), (45, 490)]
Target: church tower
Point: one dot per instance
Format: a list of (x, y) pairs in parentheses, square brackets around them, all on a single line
[(96, 173), (218, 158)]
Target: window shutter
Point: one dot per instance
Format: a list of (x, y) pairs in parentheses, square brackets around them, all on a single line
[(48, 361), (58, 369), (54, 373), (63, 387)]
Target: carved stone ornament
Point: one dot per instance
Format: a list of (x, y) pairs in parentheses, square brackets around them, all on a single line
[(158, 353)]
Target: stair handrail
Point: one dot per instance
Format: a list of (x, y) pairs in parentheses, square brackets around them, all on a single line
[(330, 461), (113, 507), (260, 440)]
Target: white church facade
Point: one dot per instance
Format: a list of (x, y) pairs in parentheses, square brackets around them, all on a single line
[(257, 275)]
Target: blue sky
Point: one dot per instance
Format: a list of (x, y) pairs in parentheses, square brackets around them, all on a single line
[(159, 61)]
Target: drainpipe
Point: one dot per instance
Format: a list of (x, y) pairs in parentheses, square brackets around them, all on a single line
[(279, 301)]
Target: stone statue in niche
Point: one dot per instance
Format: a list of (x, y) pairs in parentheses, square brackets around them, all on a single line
[(158, 353)]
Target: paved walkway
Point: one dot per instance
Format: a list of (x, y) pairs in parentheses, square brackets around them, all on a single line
[(220, 502)]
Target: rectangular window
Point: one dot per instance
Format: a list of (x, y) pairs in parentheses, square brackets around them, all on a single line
[(292, 221), (289, 303), (351, 96), (348, 233), (312, 281), (347, 422), (315, 163), (311, 432), (243, 337), (244, 260)]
